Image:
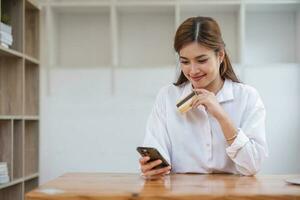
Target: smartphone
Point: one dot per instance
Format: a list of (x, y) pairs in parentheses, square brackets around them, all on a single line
[(154, 154)]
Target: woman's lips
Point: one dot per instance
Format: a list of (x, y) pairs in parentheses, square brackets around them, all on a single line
[(197, 78)]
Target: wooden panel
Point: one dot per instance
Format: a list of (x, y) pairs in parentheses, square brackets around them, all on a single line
[(31, 89), (31, 185), (13, 192), (14, 9), (18, 149), (6, 143), (10, 86), (31, 30), (31, 147), (97, 186)]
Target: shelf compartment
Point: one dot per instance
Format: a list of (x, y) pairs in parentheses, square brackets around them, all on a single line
[(14, 10), (31, 30), (31, 185), (81, 37), (18, 149), (271, 32), (6, 142), (227, 16), (13, 192), (31, 147), (31, 88), (11, 70), (145, 36)]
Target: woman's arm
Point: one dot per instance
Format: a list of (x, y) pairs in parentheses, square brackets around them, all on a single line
[(249, 148), (247, 145), (157, 136)]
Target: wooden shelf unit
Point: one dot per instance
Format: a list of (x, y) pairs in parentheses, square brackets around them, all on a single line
[(139, 34), (19, 99), (281, 21), (145, 36)]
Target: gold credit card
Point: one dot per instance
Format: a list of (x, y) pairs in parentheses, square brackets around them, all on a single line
[(184, 105)]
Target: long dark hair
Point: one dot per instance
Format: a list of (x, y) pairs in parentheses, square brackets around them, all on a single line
[(205, 31)]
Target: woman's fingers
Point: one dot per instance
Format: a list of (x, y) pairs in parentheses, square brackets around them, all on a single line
[(201, 91), (164, 173), (147, 169), (148, 166), (157, 172), (199, 100), (144, 160)]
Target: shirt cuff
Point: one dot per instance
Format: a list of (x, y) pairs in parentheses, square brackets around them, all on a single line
[(240, 141)]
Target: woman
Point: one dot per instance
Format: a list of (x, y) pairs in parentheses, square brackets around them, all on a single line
[(224, 132)]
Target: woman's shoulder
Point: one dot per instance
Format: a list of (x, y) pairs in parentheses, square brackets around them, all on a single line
[(244, 88), (170, 91), (246, 92)]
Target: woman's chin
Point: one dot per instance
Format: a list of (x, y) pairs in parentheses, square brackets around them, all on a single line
[(198, 84)]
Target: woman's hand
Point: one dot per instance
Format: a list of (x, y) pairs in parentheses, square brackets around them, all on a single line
[(147, 169), (209, 101)]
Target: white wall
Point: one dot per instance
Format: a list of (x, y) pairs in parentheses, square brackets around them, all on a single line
[(279, 87), (85, 128)]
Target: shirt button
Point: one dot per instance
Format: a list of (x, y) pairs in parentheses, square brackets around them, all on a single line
[(207, 145)]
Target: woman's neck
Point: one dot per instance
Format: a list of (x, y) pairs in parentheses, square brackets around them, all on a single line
[(216, 85)]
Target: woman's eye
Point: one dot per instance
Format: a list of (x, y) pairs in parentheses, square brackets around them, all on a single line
[(184, 62), (202, 61)]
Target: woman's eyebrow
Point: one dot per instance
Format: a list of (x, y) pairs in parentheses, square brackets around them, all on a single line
[(197, 57)]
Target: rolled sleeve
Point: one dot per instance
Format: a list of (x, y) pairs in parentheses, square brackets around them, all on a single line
[(249, 148), (239, 142)]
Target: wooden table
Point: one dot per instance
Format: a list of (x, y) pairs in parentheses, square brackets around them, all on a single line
[(95, 186)]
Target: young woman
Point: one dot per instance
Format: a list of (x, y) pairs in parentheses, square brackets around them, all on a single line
[(224, 132)]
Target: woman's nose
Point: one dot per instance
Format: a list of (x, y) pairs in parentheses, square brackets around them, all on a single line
[(194, 68)]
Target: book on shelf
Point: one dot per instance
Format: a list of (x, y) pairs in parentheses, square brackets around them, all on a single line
[(6, 38), (4, 45), (5, 28), (4, 177)]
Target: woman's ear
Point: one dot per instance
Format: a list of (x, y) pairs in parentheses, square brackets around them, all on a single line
[(221, 55)]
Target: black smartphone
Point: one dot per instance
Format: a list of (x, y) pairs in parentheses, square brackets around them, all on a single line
[(154, 154)]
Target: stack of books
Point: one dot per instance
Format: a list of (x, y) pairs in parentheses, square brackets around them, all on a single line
[(6, 38), (4, 178)]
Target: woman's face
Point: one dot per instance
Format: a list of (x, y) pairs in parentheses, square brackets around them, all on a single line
[(201, 65)]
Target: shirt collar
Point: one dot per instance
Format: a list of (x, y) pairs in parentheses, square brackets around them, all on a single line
[(225, 94)]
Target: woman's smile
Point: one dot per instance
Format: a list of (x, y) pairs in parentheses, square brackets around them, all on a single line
[(197, 78)]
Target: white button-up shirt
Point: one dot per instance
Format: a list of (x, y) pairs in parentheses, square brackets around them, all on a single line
[(194, 142)]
